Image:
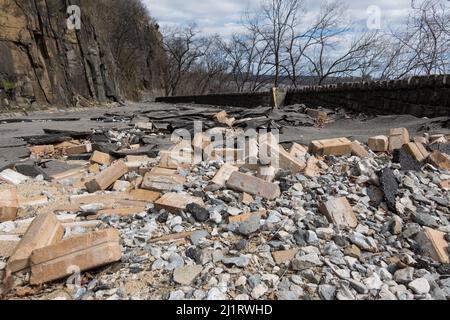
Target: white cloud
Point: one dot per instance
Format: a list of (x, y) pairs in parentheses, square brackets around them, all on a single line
[(223, 16)]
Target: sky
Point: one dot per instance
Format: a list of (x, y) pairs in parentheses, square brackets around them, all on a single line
[(223, 16)]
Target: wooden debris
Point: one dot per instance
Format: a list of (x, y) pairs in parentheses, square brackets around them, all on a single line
[(43, 231), (335, 147), (253, 185), (107, 177), (9, 205), (86, 252), (176, 202), (339, 211)]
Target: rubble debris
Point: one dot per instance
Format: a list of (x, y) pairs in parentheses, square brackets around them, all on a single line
[(379, 143), (266, 173), (397, 138), (439, 160), (30, 169), (358, 150), (445, 184), (434, 244), (9, 205), (87, 251), (176, 202), (335, 147), (318, 228), (420, 139), (43, 150), (199, 212), (107, 177), (416, 150), (390, 187), (8, 244), (246, 199), (187, 274), (43, 231), (223, 118), (12, 177), (143, 195), (246, 216), (317, 114), (162, 182), (406, 162), (251, 225), (253, 185), (312, 169), (298, 151), (281, 257), (442, 147), (339, 211), (224, 174), (101, 158), (78, 149)]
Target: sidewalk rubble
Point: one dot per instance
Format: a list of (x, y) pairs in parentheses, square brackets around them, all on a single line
[(128, 214)]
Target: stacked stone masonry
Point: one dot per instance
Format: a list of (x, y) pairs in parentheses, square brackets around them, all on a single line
[(427, 96)]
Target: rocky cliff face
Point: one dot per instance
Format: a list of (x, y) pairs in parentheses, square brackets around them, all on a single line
[(42, 61)]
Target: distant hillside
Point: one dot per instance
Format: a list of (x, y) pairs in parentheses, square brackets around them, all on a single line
[(115, 54)]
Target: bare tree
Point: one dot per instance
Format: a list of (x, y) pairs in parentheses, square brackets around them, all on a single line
[(247, 56), (183, 49), (275, 22), (328, 55), (212, 66), (425, 40)]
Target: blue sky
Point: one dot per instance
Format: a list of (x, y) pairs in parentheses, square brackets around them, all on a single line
[(223, 16)]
